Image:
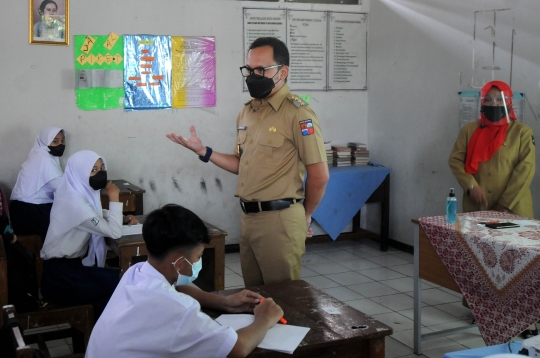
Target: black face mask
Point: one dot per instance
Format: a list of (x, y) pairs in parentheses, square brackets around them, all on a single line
[(57, 151), (259, 86), (99, 181), (493, 113)]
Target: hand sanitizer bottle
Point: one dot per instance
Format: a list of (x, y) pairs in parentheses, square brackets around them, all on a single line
[(451, 207)]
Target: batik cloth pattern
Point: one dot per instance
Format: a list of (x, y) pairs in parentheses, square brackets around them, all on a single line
[(496, 269)]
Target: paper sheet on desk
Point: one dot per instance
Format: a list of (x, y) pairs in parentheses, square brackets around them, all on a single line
[(131, 229), (281, 338)]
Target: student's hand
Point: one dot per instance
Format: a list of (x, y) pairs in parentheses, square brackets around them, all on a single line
[(243, 301), (193, 142), (113, 191), (478, 197), (269, 311), (130, 220)]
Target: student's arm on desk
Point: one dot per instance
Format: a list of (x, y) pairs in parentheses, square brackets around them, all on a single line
[(317, 178), (266, 316), (110, 227), (229, 162), (267, 313)]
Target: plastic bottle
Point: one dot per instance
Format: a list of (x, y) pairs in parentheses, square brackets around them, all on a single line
[(451, 207)]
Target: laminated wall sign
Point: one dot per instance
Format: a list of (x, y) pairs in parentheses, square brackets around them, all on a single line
[(147, 72), (99, 66), (193, 71)]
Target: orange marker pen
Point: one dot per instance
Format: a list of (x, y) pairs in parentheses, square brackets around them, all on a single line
[(282, 320)]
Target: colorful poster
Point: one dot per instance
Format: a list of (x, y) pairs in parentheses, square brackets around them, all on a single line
[(147, 72), (99, 66), (193, 71)]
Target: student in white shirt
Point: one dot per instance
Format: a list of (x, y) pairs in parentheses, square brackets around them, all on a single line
[(74, 250), (33, 193), (155, 313)]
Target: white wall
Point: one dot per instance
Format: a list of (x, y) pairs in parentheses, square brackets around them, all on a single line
[(420, 55), (38, 89)]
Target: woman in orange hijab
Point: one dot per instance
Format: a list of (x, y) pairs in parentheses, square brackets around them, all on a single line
[(493, 158)]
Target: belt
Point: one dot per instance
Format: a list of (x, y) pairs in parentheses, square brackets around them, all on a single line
[(257, 206)]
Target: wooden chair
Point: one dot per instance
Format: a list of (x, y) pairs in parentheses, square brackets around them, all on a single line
[(17, 347), (80, 318)]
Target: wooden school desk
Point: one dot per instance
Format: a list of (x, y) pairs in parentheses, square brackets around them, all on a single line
[(132, 249), (130, 195), (350, 333)]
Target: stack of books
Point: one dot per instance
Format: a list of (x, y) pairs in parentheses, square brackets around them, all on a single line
[(342, 156), (329, 153), (359, 152)]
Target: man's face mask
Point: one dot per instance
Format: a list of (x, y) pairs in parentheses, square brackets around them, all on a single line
[(493, 113), (260, 86), (195, 268), (98, 181), (57, 151)]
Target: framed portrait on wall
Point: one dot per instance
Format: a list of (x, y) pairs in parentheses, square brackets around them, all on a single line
[(49, 22)]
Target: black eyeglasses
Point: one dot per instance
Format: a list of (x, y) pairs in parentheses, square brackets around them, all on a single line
[(259, 71)]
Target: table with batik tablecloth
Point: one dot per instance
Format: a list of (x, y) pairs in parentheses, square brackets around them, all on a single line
[(497, 270)]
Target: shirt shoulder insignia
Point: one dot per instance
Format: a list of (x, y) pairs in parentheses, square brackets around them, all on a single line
[(95, 221), (306, 127), (297, 101)]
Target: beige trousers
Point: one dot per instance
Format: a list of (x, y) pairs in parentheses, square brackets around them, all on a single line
[(272, 244)]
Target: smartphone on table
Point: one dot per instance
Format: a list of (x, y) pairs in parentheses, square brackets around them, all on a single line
[(501, 225)]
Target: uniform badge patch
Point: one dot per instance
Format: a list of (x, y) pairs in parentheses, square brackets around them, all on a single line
[(306, 126), (95, 221)]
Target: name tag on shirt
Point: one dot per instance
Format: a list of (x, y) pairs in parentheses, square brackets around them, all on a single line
[(242, 128)]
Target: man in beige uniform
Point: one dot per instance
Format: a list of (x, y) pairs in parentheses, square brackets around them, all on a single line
[(278, 140)]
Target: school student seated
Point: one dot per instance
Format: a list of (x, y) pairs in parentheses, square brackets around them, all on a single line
[(33, 194), (74, 250), (155, 313)]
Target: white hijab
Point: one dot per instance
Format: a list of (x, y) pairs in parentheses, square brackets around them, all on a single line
[(75, 202), (40, 167)]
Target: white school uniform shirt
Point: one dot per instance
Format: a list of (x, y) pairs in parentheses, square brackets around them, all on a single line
[(40, 174), (147, 317), (77, 219)]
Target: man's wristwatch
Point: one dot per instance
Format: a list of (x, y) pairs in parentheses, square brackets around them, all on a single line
[(206, 157)]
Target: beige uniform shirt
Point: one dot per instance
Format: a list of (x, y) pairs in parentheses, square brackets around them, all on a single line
[(275, 142), (506, 177)]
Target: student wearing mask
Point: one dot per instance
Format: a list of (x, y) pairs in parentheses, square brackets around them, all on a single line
[(33, 194), (155, 297), (493, 158), (74, 250)]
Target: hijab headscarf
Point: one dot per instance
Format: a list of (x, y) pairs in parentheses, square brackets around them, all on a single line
[(488, 136), (40, 166), (76, 201)]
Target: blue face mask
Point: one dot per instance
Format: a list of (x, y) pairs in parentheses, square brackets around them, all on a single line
[(195, 268)]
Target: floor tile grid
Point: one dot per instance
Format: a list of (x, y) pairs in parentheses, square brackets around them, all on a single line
[(380, 284)]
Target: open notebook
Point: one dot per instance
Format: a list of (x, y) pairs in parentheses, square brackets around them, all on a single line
[(131, 229), (281, 338)]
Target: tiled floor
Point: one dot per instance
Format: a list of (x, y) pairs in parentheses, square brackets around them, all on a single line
[(380, 284)]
